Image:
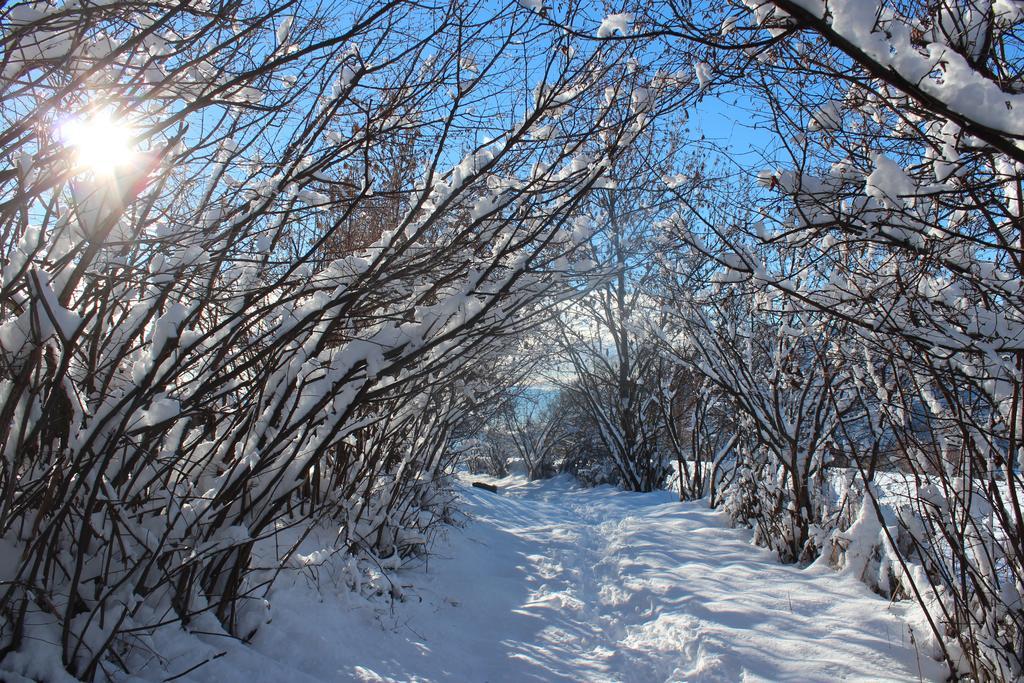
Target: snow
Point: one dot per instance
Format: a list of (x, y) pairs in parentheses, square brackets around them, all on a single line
[(704, 76), (550, 582), (888, 183), (284, 30), (615, 23), (828, 116), (939, 71)]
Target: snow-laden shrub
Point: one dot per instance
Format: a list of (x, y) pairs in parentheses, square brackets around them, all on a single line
[(758, 495), (860, 545), (894, 211), (485, 456), (786, 398), (591, 465), (581, 453), (250, 271)]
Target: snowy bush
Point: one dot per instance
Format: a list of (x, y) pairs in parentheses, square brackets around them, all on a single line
[(888, 227), (250, 269), (781, 377), (582, 453)]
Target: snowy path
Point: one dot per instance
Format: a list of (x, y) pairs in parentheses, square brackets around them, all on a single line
[(552, 583)]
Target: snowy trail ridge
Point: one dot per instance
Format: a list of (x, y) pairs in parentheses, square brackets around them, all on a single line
[(549, 582)]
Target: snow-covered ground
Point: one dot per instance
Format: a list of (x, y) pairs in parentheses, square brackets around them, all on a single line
[(549, 582)]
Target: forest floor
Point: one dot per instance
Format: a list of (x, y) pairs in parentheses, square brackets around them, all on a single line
[(551, 582)]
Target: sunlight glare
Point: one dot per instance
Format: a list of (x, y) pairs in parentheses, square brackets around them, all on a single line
[(100, 143)]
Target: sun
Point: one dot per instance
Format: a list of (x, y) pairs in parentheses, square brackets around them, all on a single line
[(99, 142)]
